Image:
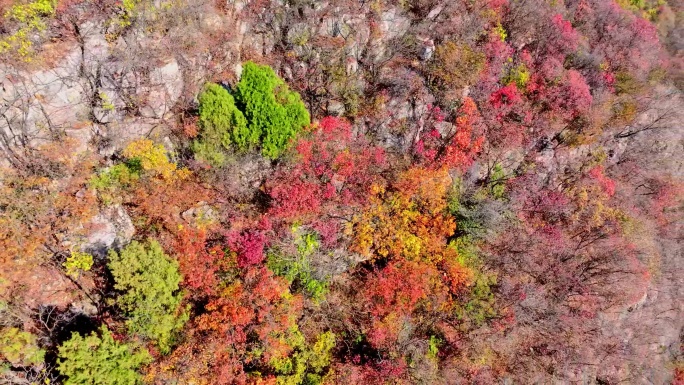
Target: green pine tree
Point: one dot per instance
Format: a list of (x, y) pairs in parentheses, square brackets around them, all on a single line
[(222, 124), (262, 111), (149, 280), (100, 360), (20, 348), (273, 111)]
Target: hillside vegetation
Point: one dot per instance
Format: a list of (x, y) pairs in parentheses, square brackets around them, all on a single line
[(303, 192)]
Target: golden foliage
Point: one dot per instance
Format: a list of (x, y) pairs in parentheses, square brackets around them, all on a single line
[(408, 220)]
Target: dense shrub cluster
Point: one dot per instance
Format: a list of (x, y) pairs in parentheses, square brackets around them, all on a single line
[(261, 112)]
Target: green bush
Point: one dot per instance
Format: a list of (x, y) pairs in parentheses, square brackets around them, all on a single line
[(222, 124), (463, 208), (110, 181), (115, 176), (297, 269), (308, 363), (519, 75), (78, 262), (497, 182), (481, 304), (20, 348), (274, 112), (149, 280), (100, 361), (627, 84), (262, 111), (28, 19), (433, 346)]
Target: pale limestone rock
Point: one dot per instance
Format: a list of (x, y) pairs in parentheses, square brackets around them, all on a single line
[(201, 214), (335, 108), (435, 12), (112, 228), (166, 87), (394, 23)]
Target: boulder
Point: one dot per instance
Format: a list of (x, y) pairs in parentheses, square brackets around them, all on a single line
[(445, 129), (85, 307), (435, 12), (237, 70), (394, 24), (201, 214), (112, 229), (166, 87), (335, 108)]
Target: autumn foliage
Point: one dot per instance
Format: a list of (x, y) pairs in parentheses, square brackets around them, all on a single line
[(433, 192)]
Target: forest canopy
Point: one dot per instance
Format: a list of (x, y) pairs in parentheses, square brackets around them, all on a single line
[(301, 192)]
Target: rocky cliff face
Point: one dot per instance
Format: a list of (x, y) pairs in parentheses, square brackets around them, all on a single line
[(105, 89)]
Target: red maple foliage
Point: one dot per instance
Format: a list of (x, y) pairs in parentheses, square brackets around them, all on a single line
[(332, 173), (455, 148), (198, 261), (249, 246)]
